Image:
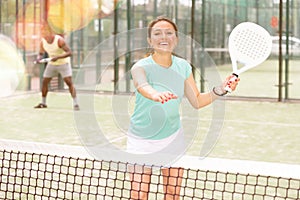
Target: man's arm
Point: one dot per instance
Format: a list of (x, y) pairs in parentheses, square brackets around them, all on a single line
[(41, 51), (63, 45)]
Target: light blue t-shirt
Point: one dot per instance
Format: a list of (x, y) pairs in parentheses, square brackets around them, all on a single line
[(154, 120)]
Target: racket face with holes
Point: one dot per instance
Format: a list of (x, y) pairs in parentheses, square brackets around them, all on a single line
[(250, 45)]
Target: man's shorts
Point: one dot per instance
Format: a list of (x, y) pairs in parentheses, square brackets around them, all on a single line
[(64, 70)]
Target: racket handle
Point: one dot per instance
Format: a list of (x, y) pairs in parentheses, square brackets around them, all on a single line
[(232, 79), (44, 60)]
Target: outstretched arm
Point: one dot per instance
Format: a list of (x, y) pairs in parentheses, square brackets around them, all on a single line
[(145, 89)]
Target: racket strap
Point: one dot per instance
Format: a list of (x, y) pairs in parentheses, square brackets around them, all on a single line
[(236, 75)]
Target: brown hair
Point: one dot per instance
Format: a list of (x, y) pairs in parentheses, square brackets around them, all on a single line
[(159, 19)]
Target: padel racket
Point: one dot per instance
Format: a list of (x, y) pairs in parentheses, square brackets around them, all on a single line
[(249, 45), (44, 60)]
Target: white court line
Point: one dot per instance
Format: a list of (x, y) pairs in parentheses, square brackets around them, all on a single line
[(264, 123), (64, 110), (251, 122)]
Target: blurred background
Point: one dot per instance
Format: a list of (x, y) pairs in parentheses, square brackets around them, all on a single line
[(90, 26)]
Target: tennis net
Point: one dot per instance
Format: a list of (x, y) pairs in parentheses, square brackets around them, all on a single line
[(49, 171)]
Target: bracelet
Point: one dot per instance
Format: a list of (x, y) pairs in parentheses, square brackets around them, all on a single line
[(218, 94)]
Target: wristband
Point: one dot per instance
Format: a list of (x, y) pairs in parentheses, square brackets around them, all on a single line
[(217, 93)]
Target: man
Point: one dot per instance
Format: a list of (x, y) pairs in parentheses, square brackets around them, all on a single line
[(59, 53)]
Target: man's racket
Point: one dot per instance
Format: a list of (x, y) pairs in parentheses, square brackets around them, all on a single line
[(250, 45), (44, 60)]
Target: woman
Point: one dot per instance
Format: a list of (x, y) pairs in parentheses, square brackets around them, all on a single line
[(161, 81)]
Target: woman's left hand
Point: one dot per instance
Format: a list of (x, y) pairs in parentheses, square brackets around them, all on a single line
[(231, 82)]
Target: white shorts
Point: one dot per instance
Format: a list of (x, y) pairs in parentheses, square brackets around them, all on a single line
[(138, 145), (64, 70)]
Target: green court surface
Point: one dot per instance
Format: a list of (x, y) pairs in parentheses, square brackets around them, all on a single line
[(252, 130)]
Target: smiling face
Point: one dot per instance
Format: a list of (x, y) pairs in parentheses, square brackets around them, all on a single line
[(163, 37)]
